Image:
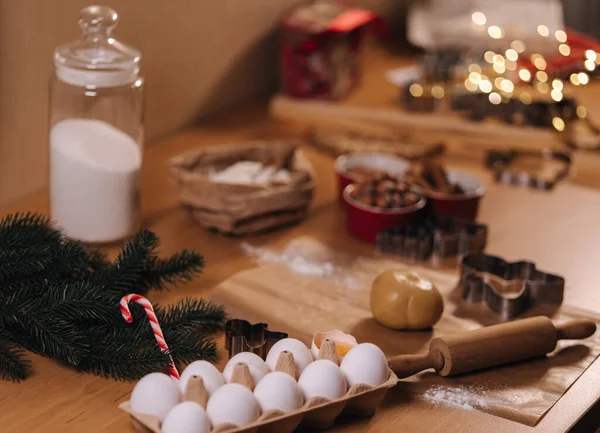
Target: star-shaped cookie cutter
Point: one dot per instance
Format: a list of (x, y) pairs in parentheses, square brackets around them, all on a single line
[(492, 280), (243, 336)]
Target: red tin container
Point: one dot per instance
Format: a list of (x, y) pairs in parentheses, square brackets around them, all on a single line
[(364, 222), (464, 206), (319, 50), (374, 161)]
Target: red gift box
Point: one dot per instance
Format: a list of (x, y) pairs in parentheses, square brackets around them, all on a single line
[(319, 51)]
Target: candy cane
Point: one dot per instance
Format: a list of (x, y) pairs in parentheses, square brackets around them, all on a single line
[(158, 334)]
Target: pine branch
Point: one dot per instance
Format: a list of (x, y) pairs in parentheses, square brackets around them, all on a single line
[(192, 314), (180, 267), (61, 260), (51, 335), (22, 230), (126, 353), (124, 275), (13, 364), (190, 346)]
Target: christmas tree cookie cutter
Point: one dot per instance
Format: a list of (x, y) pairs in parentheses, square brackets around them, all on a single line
[(508, 289), (439, 240), (243, 336), (501, 162)]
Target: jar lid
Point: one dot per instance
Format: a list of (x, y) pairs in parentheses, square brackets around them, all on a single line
[(97, 60)]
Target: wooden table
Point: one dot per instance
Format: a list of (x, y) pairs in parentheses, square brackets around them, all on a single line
[(557, 229)]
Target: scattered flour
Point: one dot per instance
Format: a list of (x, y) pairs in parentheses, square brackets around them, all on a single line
[(468, 397), (295, 262), (305, 256)]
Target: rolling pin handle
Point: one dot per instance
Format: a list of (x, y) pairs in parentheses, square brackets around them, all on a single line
[(408, 365), (575, 329)]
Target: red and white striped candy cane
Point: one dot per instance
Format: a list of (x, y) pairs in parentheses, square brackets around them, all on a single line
[(158, 334)]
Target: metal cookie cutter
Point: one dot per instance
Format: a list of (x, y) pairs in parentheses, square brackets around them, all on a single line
[(440, 239), (242, 336), (500, 162), (509, 289)]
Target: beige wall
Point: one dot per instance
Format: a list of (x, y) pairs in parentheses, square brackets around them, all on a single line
[(199, 56)]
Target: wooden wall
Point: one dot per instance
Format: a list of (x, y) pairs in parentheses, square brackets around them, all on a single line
[(199, 56)]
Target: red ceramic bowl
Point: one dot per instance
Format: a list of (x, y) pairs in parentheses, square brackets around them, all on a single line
[(365, 221), (465, 206), (374, 161)]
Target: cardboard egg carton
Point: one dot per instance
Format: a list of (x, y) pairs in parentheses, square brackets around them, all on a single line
[(317, 412)]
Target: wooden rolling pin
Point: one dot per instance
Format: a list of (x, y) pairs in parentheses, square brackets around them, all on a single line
[(491, 346)]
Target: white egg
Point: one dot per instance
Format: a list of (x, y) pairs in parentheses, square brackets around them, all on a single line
[(155, 394), (365, 364), (232, 404), (210, 375), (302, 355), (186, 417), (278, 390), (258, 368), (322, 378)]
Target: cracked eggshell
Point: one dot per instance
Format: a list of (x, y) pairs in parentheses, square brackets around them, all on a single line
[(258, 368), (155, 394), (343, 343), (232, 404), (278, 390), (301, 353), (365, 364), (186, 417), (322, 378), (210, 375)]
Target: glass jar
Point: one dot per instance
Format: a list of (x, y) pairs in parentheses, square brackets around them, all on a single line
[(96, 133)]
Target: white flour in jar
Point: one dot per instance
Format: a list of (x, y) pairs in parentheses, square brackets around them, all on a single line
[(94, 180)]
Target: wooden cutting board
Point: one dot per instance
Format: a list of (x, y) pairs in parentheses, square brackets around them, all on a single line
[(301, 305)]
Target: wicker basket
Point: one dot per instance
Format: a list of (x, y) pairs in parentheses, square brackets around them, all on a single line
[(237, 209)]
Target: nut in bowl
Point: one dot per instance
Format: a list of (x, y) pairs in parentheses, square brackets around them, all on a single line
[(366, 220), (356, 167), (450, 192)]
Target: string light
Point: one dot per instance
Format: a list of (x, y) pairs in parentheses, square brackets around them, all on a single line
[(470, 85), (564, 49), (416, 90), (525, 98), (479, 18), (540, 63), (495, 32), (558, 124), (489, 56), (518, 46), (475, 68), (590, 65), (511, 54), (498, 82), (583, 78), (574, 79), (590, 55), (495, 98), (437, 92), (561, 36), (485, 86), (557, 84), (542, 87), (475, 77), (511, 66), (507, 86), (524, 75), (556, 95), (499, 67), (543, 31), (541, 76), (581, 111)]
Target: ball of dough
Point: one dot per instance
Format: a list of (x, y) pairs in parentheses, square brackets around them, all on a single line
[(405, 300)]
